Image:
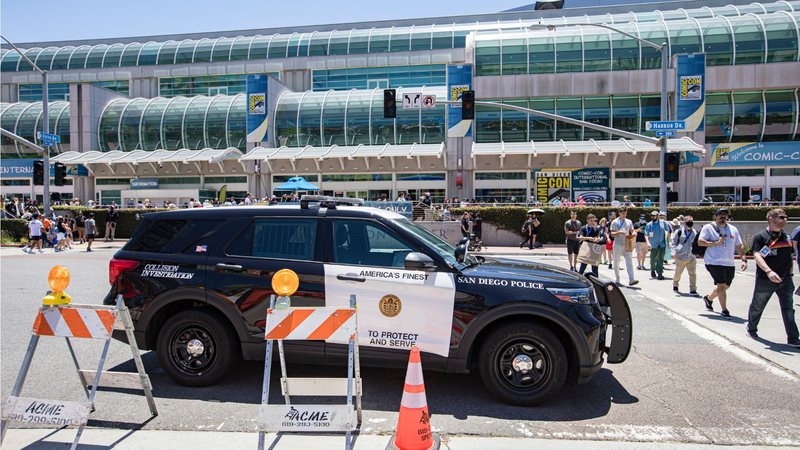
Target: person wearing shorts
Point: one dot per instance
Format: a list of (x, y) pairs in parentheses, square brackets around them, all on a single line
[(91, 230), (722, 240), (571, 229)]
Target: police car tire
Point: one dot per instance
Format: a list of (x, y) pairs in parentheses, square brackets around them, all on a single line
[(221, 350), (514, 338)]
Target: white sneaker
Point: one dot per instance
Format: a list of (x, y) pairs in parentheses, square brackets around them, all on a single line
[(41, 251)]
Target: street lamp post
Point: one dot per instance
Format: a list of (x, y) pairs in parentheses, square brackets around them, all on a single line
[(45, 128), (662, 190)]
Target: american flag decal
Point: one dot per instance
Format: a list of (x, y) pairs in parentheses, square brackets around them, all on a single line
[(200, 249)]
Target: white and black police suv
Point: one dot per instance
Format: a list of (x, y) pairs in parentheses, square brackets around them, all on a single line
[(198, 284)]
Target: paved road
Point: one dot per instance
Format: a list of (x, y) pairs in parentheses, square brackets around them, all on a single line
[(680, 384)]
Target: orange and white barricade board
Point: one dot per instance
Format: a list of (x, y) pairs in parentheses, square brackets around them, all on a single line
[(339, 324), (76, 322)]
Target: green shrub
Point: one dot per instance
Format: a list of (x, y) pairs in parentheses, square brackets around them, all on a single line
[(551, 231), (15, 229), (126, 222)]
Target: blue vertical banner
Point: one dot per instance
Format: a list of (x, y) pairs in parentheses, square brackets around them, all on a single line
[(257, 113), (459, 79), (691, 96)]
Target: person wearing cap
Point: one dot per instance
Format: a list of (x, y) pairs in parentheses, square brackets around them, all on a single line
[(641, 242), (681, 242), (722, 240), (622, 230), (772, 252), (656, 233)]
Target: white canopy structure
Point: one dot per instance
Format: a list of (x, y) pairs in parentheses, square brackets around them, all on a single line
[(136, 157), (342, 153)]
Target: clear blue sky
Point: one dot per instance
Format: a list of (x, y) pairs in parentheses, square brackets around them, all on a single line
[(87, 19)]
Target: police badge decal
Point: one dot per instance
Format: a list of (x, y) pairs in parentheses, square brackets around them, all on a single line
[(390, 305)]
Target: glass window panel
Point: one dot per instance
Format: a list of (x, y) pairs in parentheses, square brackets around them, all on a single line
[(94, 59), (596, 110), (568, 51), (718, 43), (130, 54), (222, 49), (684, 37), (286, 120), (62, 129), (460, 38), (333, 118), (515, 123), (432, 123), (202, 52), (236, 123), (172, 131), (625, 49), (258, 48), (283, 239), (400, 40), (167, 53), (487, 123), (149, 53), (184, 53), (653, 32), (650, 111), (442, 38), (499, 175), (44, 59), (596, 50), (129, 125), (781, 115), (78, 58), (569, 107), (626, 113), (515, 57), (747, 107), (421, 39), (338, 43), (360, 242), (10, 60), (782, 39), (240, 47), (26, 125), (194, 122), (293, 46), (719, 117), (505, 195), (358, 117), (109, 125), (308, 128), (32, 54), (541, 128), (487, 57), (379, 41), (541, 56), (215, 122), (382, 129), (319, 44), (277, 46), (407, 125), (60, 59), (749, 40), (151, 124), (359, 41)]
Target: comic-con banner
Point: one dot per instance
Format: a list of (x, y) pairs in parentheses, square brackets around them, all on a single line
[(756, 154), (691, 96), (459, 79), (257, 122), (589, 184)]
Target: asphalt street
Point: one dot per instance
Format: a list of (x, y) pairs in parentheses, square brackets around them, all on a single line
[(679, 385)]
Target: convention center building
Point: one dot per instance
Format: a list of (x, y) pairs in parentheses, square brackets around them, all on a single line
[(176, 117)]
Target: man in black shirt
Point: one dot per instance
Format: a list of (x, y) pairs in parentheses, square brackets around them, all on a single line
[(641, 242), (772, 252), (477, 225), (465, 224)]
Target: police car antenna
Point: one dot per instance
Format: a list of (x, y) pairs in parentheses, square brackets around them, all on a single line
[(325, 201)]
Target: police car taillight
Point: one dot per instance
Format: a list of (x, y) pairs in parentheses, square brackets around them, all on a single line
[(117, 266), (580, 295)]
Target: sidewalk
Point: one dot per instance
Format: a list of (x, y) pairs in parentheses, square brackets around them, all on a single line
[(771, 346)]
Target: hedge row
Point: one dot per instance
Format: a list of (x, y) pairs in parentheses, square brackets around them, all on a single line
[(16, 228), (126, 222), (551, 230)]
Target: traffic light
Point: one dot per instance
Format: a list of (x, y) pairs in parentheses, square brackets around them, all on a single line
[(389, 103), (38, 172), (468, 105), (60, 173), (671, 166)]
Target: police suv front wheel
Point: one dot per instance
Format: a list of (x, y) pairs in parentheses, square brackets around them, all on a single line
[(196, 348), (523, 363)]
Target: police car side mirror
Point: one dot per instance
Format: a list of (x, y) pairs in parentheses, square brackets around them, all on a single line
[(460, 252), (463, 241), (419, 261)]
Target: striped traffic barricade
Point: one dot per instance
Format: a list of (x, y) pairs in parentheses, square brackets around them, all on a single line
[(327, 324), (73, 321)]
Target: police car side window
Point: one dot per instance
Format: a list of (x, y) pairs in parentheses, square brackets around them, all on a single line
[(367, 243), (278, 238)]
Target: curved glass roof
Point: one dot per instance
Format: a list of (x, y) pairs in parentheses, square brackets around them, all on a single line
[(337, 42), (25, 119), (734, 40)]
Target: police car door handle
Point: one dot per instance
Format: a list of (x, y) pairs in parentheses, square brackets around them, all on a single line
[(229, 267), (350, 277)]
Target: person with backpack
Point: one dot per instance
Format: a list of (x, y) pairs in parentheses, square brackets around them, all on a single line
[(722, 240), (683, 242)]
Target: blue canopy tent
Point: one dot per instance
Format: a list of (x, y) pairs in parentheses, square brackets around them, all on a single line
[(297, 184)]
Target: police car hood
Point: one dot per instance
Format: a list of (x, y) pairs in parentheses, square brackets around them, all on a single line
[(512, 269)]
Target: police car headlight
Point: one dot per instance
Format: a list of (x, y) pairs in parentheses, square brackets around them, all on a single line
[(583, 296)]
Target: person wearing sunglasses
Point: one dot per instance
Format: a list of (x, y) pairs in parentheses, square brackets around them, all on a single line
[(722, 241), (772, 252)]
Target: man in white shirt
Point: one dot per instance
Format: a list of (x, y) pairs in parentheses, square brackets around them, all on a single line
[(621, 228), (721, 240), (35, 227)]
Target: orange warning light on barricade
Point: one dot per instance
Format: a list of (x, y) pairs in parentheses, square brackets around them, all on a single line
[(285, 282), (58, 279)]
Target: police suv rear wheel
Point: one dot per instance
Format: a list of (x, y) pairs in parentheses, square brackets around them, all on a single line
[(196, 348), (523, 363)]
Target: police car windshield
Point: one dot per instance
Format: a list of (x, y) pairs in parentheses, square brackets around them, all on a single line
[(441, 247)]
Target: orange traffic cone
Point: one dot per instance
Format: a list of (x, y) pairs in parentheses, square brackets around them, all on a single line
[(413, 425)]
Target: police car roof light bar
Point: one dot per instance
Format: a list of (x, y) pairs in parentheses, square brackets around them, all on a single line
[(326, 201)]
